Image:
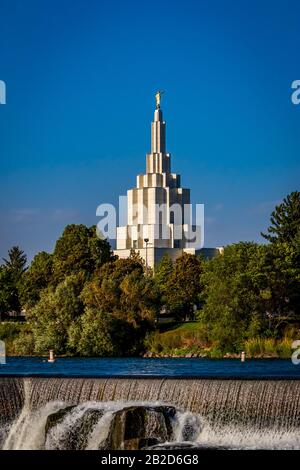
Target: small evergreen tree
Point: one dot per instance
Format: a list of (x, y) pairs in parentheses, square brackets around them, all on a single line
[(16, 262), (11, 280), (285, 220)]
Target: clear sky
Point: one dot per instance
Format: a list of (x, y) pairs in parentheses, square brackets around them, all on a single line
[(81, 77)]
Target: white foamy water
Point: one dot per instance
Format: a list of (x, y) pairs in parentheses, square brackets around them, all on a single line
[(235, 437), (211, 413), (28, 430)]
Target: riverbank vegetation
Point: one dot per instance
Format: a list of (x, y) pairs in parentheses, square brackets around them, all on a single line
[(82, 300)]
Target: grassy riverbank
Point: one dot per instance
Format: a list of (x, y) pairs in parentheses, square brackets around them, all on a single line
[(176, 340), (190, 340)]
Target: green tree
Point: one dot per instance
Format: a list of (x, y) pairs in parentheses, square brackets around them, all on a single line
[(231, 295), (122, 291), (8, 294), (162, 273), (277, 274), (23, 344), (53, 315), (285, 220), (91, 334), (79, 250), (104, 290), (16, 262), (183, 285), (251, 290), (11, 275), (38, 277)]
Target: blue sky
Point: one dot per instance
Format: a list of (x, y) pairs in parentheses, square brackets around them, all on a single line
[(81, 78)]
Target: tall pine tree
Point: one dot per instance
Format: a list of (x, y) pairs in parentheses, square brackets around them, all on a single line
[(285, 220)]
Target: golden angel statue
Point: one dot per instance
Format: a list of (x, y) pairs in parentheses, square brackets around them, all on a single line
[(158, 98)]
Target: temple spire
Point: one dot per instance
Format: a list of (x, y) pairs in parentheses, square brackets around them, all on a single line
[(158, 128), (158, 98)]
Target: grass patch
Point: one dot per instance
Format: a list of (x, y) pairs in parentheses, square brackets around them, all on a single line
[(190, 339), (186, 338), (268, 347)]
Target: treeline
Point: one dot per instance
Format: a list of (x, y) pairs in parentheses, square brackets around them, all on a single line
[(82, 300)]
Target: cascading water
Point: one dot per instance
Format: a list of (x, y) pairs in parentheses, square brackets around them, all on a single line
[(114, 413)]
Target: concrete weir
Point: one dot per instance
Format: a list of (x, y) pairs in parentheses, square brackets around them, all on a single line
[(60, 413)]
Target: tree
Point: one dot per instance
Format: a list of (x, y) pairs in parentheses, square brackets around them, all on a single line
[(183, 285), (8, 294), (91, 335), (11, 274), (231, 296), (16, 262), (162, 273), (52, 316), (79, 250), (139, 300), (104, 290), (251, 290), (121, 291), (36, 278), (285, 220), (278, 278)]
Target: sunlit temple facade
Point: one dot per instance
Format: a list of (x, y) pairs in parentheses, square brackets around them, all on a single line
[(158, 208)]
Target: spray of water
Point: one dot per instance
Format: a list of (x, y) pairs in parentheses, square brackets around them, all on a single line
[(210, 413)]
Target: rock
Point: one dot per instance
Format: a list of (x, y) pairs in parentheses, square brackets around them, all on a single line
[(74, 437), (146, 443), (134, 427), (56, 418), (139, 444), (186, 445), (172, 446)]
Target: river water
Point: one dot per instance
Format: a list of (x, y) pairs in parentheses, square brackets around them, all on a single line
[(148, 403), (155, 367)]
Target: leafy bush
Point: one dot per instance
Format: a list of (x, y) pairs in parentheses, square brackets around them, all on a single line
[(24, 345), (9, 333), (9, 330)]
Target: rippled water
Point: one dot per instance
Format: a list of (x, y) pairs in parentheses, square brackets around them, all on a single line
[(158, 367)]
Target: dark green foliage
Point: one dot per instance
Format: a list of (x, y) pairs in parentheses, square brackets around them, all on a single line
[(53, 315), (183, 285), (230, 300), (285, 220), (82, 300), (79, 250), (163, 271), (126, 301), (16, 262), (8, 295), (91, 334), (249, 291), (36, 278), (18, 338), (11, 274)]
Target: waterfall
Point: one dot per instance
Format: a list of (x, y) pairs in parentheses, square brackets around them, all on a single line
[(81, 413)]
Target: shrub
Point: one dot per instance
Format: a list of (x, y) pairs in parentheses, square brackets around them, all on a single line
[(23, 345), (258, 347)]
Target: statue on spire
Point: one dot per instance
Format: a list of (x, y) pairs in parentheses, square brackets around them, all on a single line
[(158, 98)]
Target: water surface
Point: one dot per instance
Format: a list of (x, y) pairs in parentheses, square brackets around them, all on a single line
[(151, 367)]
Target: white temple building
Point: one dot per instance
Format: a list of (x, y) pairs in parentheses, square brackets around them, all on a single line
[(158, 209)]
